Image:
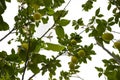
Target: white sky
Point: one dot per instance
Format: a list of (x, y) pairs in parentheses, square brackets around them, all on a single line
[(87, 71)]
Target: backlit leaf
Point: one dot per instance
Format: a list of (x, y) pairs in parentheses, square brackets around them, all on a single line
[(64, 22), (54, 47)]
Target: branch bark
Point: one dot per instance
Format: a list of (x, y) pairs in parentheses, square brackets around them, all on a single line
[(7, 34)]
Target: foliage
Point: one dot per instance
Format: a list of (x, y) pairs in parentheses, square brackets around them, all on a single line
[(29, 57)]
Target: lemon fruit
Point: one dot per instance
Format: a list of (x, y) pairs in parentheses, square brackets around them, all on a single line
[(73, 42), (74, 59), (25, 46), (71, 65), (37, 16), (117, 45), (81, 53), (107, 36)]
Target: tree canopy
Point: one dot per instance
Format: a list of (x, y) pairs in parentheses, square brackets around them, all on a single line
[(32, 14)]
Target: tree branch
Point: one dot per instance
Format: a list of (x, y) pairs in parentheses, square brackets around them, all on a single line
[(28, 51), (112, 55), (7, 34)]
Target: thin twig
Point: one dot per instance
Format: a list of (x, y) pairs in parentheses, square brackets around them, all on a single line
[(7, 34), (112, 55), (77, 77), (116, 32), (55, 21)]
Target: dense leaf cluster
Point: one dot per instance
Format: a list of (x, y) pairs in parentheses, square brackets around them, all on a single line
[(28, 57)]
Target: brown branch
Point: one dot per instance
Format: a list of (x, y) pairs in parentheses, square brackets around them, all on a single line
[(7, 34)]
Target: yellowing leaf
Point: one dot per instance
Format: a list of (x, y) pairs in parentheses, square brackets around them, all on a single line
[(64, 22), (54, 47)]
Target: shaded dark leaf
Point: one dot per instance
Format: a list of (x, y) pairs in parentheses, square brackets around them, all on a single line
[(109, 6), (97, 12), (88, 5), (80, 22)]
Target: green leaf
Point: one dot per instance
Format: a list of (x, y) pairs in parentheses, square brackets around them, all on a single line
[(119, 23), (59, 31), (109, 6), (99, 69), (100, 74), (74, 22), (80, 22), (54, 47), (110, 19), (88, 5), (57, 3), (50, 11), (47, 3), (97, 12), (100, 15), (58, 14), (2, 6), (111, 23), (8, 0), (4, 26), (13, 51), (92, 20), (45, 20), (37, 58), (34, 68), (76, 27), (3, 54), (98, 21), (64, 22)]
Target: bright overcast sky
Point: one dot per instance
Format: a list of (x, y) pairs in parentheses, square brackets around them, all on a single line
[(87, 71)]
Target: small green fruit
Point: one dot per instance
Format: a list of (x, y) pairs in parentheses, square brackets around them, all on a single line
[(71, 65), (37, 16), (25, 46), (73, 42), (107, 36), (81, 53), (74, 59), (117, 45)]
